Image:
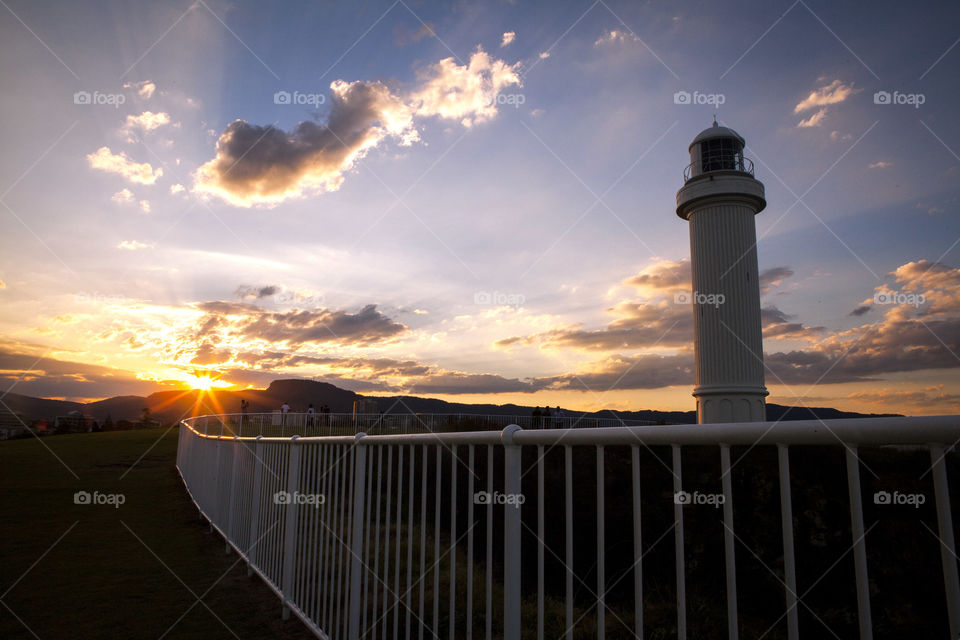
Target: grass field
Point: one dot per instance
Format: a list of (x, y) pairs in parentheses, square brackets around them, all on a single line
[(148, 568)]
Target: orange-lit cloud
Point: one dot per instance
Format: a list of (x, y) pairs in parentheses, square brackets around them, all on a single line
[(263, 165), (105, 160), (828, 94)]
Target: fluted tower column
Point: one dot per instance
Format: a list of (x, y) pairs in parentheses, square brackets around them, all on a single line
[(719, 199)]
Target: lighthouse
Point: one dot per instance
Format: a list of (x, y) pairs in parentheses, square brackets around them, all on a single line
[(719, 199)]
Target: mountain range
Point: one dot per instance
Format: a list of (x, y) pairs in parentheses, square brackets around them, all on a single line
[(170, 406)]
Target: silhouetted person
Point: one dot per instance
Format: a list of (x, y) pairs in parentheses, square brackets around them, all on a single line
[(310, 413), (244, 405), (546, 417), (536, 417)]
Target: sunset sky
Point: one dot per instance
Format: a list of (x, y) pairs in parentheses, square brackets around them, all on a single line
[(471, 201)]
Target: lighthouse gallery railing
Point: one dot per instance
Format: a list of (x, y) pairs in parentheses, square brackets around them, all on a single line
[(335, 533)]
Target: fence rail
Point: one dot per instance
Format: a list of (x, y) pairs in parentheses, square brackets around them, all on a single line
[(421, 535), (303, 424)]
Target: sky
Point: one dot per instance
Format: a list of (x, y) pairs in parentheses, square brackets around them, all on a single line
[(471, 201)]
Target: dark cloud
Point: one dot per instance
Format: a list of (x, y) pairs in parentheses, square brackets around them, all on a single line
[(455, 382), (263, 164), (645, 371), (366, 327), (645, 325), (777, 325), (32, 374), (675, 275), (640, 325), (772, 277), (245, 291), (859, 311)]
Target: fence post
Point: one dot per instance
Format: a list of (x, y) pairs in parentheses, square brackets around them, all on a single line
[(948, 556), (255, 515), (290, 527), (356, 541), (789, 560), (233, 492), (729, 544), (511, 535), (859, 545), (213, 511)]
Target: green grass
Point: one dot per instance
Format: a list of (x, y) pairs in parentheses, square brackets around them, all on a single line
[(80, 571)]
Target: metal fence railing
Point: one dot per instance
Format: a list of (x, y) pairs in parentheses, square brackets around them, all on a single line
[(281, 424), (413, 535)]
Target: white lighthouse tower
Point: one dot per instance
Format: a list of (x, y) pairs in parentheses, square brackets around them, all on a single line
[(719, 199)]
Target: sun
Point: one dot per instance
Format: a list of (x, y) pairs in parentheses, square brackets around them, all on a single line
[(205, 383)]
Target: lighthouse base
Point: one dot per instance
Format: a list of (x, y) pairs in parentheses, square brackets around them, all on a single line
[(731, 404)]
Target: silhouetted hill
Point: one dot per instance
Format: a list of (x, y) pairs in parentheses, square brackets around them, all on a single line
[(37, 408), (170, 406)]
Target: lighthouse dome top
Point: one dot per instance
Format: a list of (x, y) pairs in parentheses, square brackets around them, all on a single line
[(716, 131), (717, 149)]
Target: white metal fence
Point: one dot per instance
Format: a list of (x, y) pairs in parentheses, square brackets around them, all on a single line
[(281, 424), (338, 525)]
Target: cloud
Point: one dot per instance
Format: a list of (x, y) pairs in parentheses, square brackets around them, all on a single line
[(921, 399), (508, 37), (145, 206), (268, 164), (813, 121), (133, 245), (39, 376), (140, 173), (144, 89), (263, 165), (145, 122), (776, 325), (3, 285), (177, 188), (374, 374), (454, 382), (666, 275), (833, 93), (939, 284), (907, 338), (836, 135), (544, 55), (615, 36), (403, 35), (644, 371), (657, 319), (464, 92), (670, 276), (880, 164), (249, 322), (773, 277), (148, 120), (246, 291), (123, 196)]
